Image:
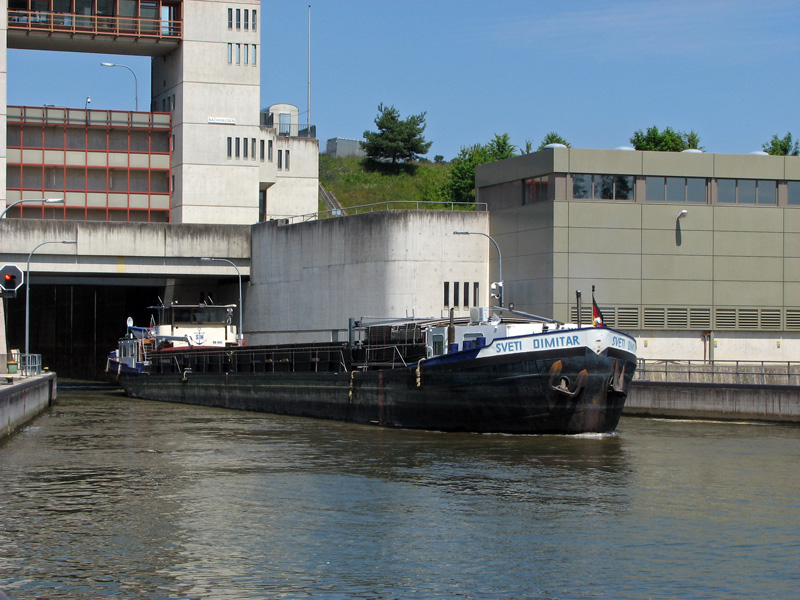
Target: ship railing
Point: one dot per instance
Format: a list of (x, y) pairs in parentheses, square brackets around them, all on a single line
[(744, 372), (312, 358), (376, 356)]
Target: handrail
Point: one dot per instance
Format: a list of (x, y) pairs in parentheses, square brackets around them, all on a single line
[(39, 20), (747, 372), (387, 206)]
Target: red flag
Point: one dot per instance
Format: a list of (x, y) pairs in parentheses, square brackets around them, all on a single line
[(597, 316)]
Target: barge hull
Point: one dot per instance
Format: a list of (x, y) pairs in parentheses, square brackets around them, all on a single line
[(531, 393)]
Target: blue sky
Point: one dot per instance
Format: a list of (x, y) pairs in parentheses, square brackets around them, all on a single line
[(594, 72)]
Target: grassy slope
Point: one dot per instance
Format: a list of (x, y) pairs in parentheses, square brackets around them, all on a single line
[(354, 185)]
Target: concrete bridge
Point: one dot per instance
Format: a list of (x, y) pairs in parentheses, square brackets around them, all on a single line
[(82, 293), (123, 252)]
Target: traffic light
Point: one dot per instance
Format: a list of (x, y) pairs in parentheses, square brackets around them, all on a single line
[(11, 278)]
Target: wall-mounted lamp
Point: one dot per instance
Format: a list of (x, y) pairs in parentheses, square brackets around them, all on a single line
[(683, 213)]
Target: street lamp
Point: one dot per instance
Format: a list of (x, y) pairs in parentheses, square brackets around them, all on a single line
[(45, 200), (28, 291), (135, 80), (499, 260), (239, 333)]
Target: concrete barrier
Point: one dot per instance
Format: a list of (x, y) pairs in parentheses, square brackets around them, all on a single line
[(775, 403), (23, 399)]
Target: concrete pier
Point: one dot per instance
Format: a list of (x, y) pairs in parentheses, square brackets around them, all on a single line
[(722, 401), (23, 399)]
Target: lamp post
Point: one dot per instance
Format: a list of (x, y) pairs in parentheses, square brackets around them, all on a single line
[(239, 333), (45, 200), (135, 80), (499, 260), (28, 291)]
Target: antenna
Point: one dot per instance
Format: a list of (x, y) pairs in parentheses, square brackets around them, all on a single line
[(308, 112)]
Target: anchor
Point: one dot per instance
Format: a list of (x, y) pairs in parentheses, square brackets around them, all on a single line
[(562, 386), (617, 381)]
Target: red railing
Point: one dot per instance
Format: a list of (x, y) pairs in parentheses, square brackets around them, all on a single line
[(53, 22)]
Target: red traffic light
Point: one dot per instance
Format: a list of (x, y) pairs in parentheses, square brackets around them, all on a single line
[(10, 278)]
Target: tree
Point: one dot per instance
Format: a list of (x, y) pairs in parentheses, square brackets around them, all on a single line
[(462, 167), (782, 146), (396, 139), (668, 140), (553, 138)]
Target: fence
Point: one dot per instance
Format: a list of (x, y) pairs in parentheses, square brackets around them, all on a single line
[(719, 372)]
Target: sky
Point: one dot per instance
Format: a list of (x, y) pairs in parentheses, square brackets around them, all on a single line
[(594, 72)]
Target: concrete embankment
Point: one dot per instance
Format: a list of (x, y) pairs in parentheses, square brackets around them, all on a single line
[(723, 401), (23, 399)]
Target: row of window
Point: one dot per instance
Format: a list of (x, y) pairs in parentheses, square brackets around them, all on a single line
[(242, 148), (249, 22), (245, 54), (168, 103), (459, 299), (88, 179), (667, 189), (70, 138)]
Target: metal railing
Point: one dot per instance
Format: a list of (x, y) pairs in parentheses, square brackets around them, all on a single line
[(384, 207), (719, 372), (38, 20), (30, 364)]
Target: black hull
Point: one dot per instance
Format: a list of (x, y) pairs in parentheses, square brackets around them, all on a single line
[(516, 394)]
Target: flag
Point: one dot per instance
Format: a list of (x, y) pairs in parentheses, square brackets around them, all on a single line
[(597, 316), (152, 321)]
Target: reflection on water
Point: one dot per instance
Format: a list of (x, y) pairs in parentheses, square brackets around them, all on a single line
[(109, 497)]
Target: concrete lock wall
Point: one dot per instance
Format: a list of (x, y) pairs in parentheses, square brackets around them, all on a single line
[(309, 279), (779, 403), (23, 400)]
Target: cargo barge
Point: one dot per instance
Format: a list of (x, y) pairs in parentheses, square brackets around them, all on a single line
[(514, 374)]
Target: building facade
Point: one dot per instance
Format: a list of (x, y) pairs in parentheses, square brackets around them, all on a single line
[(201, 151), (697, 254)]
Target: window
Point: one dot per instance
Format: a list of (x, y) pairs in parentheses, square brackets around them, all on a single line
[(286, 159), (269, 151), (476, 287), (447, 293), (230, 18), (237, 148), (602, 187), (246, 15), (455, 293), (255, 19), (230, 54), (230, 147), (535, 190), (244, 147), (238, 54), (747, 191), (280, 159), (253, 62), (238, 18), (246, 54), (261, 154), (253, 148), (676, 189), (466, 294), (794, 192)]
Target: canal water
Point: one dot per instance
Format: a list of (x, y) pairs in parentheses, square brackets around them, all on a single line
[(106, 497)]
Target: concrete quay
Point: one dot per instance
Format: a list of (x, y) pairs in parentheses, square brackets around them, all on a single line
[(718, 401), (23, 399)]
